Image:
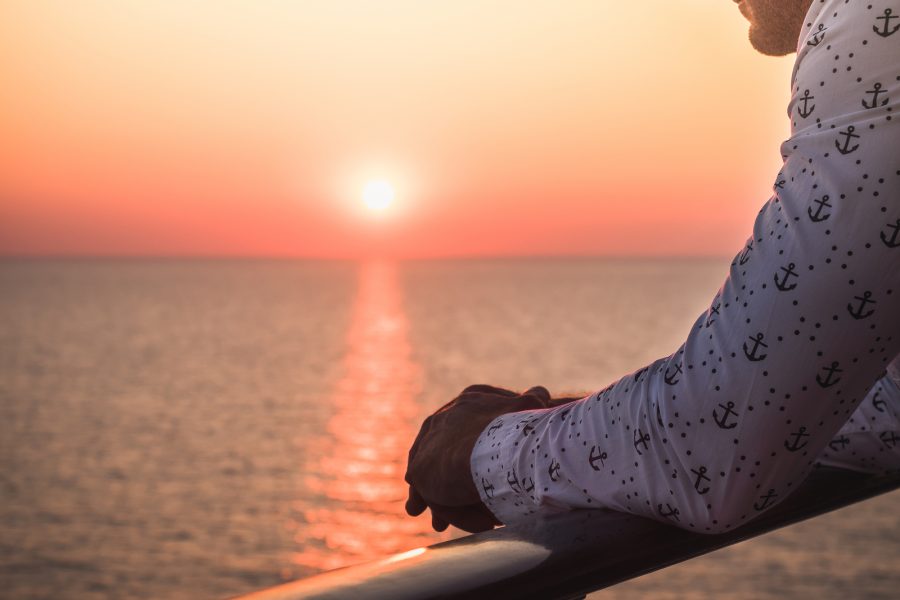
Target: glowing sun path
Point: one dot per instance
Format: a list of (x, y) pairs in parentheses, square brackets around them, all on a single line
[(356, 467)]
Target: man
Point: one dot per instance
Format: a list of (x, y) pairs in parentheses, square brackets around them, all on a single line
[(794, 363)]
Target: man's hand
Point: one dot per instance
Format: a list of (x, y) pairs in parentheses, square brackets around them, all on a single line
[(438, 471)]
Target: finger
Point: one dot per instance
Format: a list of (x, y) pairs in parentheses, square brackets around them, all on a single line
[(488, 389), (540, 392), (415, 503), (473, 519), (438, 523), (423, 432)]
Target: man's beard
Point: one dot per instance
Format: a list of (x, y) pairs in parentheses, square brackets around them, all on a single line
[(776, 25)]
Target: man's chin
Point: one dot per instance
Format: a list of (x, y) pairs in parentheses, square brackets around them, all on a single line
[(770, 46)]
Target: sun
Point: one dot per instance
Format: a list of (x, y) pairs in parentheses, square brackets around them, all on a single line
[(378, 195)]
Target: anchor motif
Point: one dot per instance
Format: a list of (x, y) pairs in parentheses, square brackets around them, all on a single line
[(818, 217), (894, 242), (859, 312), (527, 428), (669, 512), (723, 421), (597, 455), (805, 111), (714, 310), (788, 273), (641, 439), (673, 378), (495, 427), (875, 93), (829, 378), (819, 37), (745, 255), (780, 183), (527, 485), (767, 501), (488, 488), (701, 477), (659, 418), (637, 375), (839, 444), (553, 470), (849, 136), (886, 30), (753, 355), (889, 439), (513, 481), (877, 403), (795, 444)]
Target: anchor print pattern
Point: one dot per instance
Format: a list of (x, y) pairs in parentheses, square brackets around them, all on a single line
[(673, 378), (859, 311), (818, 214), (796, 360), (784, 284), (818, 37), (839, 443), (830, 378), (806, 108), (765, 501), (886, 29), (700, 479), (727, 412), (714, 309), (753, 353), (597, 455), (874, 93), (845, 145), (553, 470), (892, 240), (796, 442), (513, 481)]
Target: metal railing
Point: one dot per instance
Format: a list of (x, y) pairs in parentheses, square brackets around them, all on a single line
[(565, 556)]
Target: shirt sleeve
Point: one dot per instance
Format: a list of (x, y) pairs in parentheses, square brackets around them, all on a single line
[(803, 327), (870, 440)]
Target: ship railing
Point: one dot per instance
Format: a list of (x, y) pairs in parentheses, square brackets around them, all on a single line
[(566, 556)]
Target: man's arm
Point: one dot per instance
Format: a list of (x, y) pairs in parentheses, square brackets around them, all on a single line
[(805, 323)]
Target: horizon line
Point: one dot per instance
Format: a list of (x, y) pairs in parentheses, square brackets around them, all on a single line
[(311, 258)]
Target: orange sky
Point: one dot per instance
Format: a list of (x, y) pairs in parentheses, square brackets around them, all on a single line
[(213, 127)]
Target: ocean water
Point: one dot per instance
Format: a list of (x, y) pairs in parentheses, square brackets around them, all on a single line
[(199, 429)]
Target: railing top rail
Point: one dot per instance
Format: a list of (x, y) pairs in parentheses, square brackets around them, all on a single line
[(567, 555)]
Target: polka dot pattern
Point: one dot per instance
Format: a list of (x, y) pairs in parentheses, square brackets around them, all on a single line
[(795, 363)]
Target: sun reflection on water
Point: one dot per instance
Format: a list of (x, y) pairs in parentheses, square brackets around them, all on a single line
[(355, 475)]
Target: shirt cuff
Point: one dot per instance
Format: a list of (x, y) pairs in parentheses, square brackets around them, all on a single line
[(505, 488)]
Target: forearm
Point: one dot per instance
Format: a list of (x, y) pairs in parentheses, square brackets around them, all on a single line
[(726, 426), (704, 440)]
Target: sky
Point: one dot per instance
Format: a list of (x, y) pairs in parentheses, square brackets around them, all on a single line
[(251, 128)]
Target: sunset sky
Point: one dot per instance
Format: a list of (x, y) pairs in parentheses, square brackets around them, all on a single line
[(252, 128)]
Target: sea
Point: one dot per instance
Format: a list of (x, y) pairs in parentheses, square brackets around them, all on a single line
[(205, 428)]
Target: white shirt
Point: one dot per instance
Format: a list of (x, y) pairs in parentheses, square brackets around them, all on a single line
[(787, 367)]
